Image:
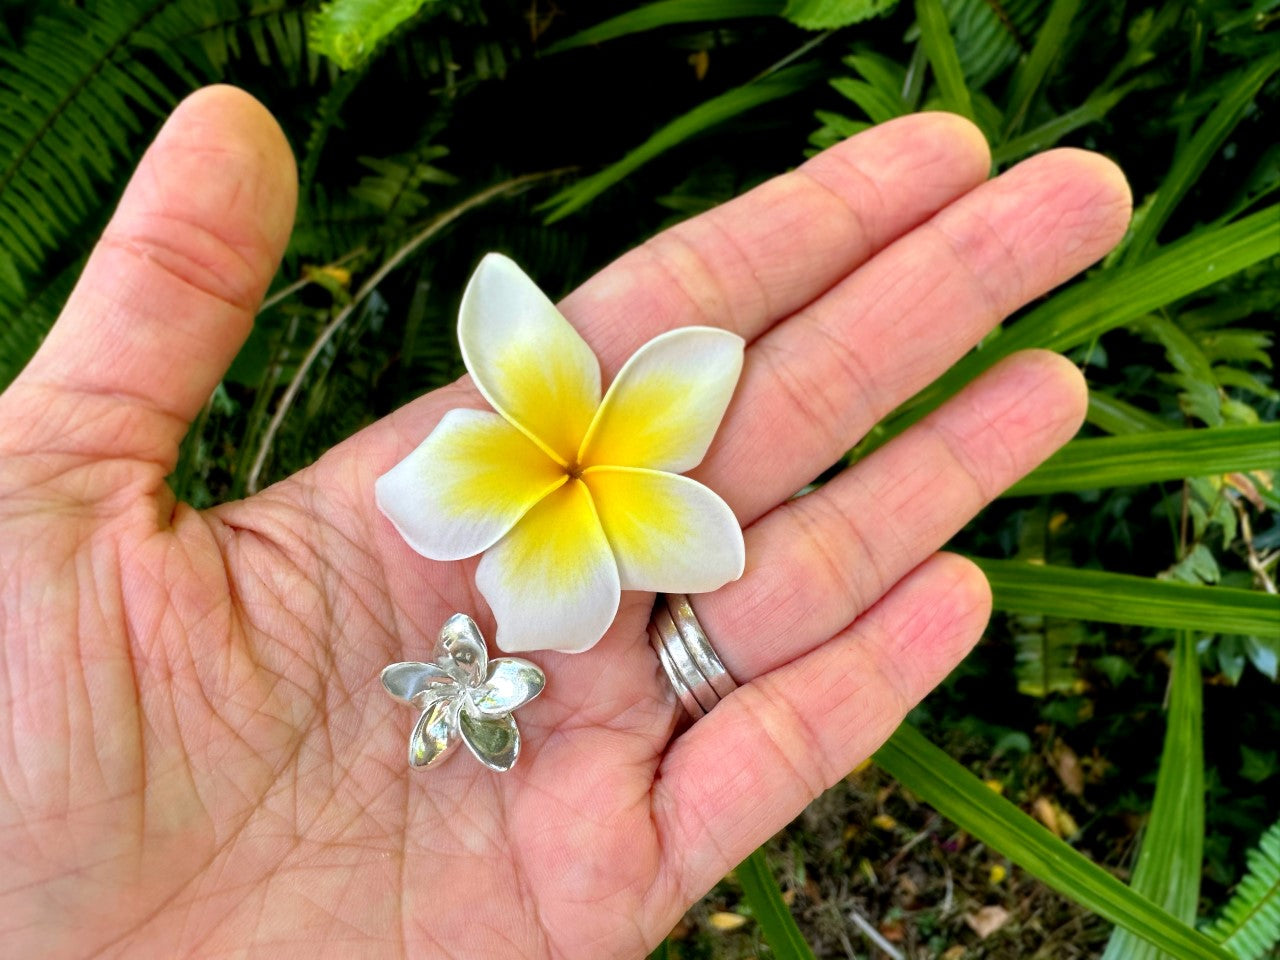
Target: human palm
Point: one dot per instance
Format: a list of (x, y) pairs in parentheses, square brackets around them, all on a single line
[(200, 759)]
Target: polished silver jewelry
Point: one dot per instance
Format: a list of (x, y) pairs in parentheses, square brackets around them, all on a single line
[(464, 696), (698, 677)]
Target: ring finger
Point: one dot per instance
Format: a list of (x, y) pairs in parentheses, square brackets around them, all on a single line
[(814, 564)]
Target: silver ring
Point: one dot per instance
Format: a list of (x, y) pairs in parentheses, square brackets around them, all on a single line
[(697, 675)]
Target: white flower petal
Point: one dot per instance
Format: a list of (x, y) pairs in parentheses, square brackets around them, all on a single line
[(465, 485), (526, 358), (552, 582), (667, 401), (669, 534)]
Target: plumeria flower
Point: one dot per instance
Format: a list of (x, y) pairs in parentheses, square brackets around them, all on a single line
[(464, 696), (571, 498)]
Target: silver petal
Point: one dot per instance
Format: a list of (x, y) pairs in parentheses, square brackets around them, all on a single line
[(418, 683), (435, 735), (461, 650), (494, 740), (511, 683)]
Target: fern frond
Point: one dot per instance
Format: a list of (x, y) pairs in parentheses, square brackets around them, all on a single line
[(348, 31), (395, 186), (29, 317), (275, 32), (1249, 925), (76, 99)]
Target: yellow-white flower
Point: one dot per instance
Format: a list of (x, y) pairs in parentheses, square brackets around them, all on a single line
[(571, 498)]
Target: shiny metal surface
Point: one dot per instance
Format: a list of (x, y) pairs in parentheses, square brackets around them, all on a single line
[(696, 673), (464, 696)]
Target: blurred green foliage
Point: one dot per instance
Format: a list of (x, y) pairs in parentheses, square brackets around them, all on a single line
[(565, 132)]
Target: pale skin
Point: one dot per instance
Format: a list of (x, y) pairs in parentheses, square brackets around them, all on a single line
[(198, 758)]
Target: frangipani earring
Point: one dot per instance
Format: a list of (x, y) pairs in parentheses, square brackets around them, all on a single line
[(464, 696)]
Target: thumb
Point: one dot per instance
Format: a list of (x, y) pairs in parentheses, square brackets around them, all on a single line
[(169, 293)]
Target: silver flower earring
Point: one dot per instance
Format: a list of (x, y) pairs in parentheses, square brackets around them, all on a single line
[(463, 695)]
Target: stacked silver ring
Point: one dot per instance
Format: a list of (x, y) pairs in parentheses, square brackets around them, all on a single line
[(696, 673)]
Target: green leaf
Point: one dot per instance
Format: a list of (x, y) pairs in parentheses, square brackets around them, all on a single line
[(1114, 416), (832, 14), (348, 31), (1151, 457), (1123, 598), (1198, 395), (762, 893), (1192, 158), (1105, 301), (1258, 765), (1051, 131), (1172, 852), (1198, 566), (962, 798), (940, 48), (700, 118), (1249, 924), (665, 13), (1031, 72)]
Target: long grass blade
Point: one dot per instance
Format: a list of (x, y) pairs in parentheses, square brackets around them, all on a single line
[(1152, 457), (702, 117), (1172, 853), (1116, 417), (665, 13), (940, 48), (1122, 598), (1050, 132), (762, 893), (962, 798), (1030, 73), (1105, 301), (1192, 158)]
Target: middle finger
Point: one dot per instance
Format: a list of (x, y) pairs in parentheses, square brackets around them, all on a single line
[(813, 386)]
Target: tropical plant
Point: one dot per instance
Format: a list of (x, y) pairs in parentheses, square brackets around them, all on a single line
[(1150, 540)]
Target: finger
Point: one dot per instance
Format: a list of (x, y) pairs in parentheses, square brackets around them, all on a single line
[(738, 775), (755, 260), (169, 293), (815, 563), (752, 261), (812, 387)]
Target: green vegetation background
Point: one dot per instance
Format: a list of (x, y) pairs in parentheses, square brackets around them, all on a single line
[(1134, 575)]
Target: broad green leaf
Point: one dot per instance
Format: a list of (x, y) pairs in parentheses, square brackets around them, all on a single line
[(1192, 157), (779, 927), (1107, 300), (700, 118), (1116, 417), (832, 14), (1152, 457), (1031, 72), (965, 800), (940, 48), (665, 13), (348, 31), (1123, 598), (1171, 856)]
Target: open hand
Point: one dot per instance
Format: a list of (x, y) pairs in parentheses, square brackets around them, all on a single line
[(198, 757)]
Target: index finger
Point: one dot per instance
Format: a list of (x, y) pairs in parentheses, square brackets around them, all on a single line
[(752, 262), (755, 260)]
